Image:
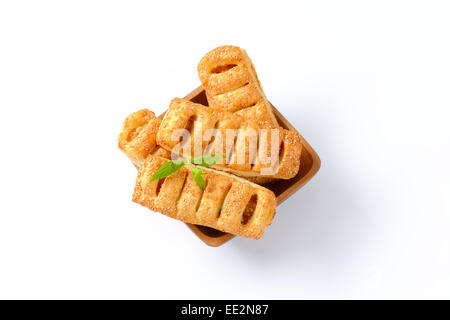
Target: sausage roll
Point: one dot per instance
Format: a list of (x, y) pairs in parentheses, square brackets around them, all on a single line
[(137, 138), (231, 84), (250, 148), (227, 203)]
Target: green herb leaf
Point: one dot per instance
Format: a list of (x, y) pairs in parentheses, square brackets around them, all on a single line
[(167, 169), (197, 172), (207, 160), (172, 166)]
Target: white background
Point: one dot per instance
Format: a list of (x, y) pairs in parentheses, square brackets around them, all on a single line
[(365, 82)]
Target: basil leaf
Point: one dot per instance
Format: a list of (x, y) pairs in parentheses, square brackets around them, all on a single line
[(167, 169), (207, 160), (172, 166), (197, 172)]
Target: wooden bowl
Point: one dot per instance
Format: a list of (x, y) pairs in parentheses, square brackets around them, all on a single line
[(283, 189)]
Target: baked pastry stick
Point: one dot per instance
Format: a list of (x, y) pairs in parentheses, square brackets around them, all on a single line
[(251, 148), (137, 138), (226, 203), (231, 84)]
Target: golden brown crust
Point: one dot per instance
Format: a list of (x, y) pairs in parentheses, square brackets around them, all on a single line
[(231, 84), (198, 120), (137, 139), (227, 203)]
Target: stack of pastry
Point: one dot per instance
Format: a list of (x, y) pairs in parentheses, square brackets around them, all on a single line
[(233, 198)]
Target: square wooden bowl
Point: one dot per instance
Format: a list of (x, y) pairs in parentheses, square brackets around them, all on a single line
[(283, 189)]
